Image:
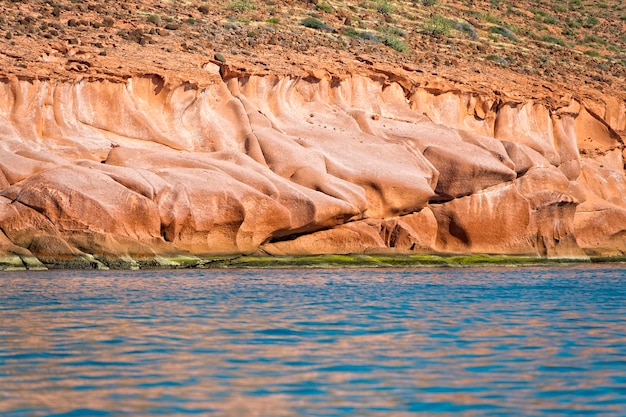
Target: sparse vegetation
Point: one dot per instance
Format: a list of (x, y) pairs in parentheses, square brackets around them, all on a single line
[(468, 29), (574, 24), (438, 26), (395, 43), (384, 7), (594, 39), (314, 23), (393, 31), (539, 14), (497, 59), (241, 5), (387, 35), (590, 22), (553, 39), (550, 20), (504, 32), (353, 33), (324, 7), (432, 32), (492, 18)]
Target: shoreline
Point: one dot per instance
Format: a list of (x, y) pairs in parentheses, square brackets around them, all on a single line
[(309, 262)]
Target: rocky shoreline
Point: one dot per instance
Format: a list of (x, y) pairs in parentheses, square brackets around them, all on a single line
[(415, 261)]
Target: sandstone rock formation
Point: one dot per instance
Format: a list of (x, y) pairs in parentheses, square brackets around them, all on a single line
[(101, 173)]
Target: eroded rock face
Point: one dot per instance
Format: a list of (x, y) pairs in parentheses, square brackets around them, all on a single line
[(99, 173)]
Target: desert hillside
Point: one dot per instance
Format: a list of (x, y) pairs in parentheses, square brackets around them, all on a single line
[(144, 133)]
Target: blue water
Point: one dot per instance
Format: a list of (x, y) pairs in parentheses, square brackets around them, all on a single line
[(371, 342)]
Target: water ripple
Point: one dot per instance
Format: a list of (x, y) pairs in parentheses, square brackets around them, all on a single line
[(471, 342)]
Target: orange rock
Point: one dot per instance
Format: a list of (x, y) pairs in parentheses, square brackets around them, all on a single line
[(501, 220), (97, 173)]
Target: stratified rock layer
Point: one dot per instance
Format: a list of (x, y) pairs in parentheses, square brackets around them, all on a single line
[(105, 173)]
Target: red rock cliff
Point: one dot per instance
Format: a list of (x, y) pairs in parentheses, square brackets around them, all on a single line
[(105, 172)]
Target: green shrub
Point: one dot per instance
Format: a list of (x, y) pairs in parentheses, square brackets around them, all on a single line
[(504, 32), (395, 43), (428, 3), (553, 39), (491, 18), (154, 18), (438, 26), (241, 5), (568, 32), (369, 36), (273, 20), (353, 33), (313, 23), (468, 29), (324, 7), (590, 22), (497, 59), (592, 53), (386, 38), (574, 24), (390, 30), (550, 20), (594, 39), (384, 7)]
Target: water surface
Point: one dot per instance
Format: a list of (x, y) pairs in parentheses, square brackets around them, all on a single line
[(370, 342)]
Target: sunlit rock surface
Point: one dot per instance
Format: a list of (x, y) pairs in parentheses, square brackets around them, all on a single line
[(103, 173)]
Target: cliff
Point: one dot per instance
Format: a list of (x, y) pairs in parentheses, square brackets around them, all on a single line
[(102, 168)]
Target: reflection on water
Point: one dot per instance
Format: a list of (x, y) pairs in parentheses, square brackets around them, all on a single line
[(392, 342)]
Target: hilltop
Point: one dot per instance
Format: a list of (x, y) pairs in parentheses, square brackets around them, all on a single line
[(576, 45)]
